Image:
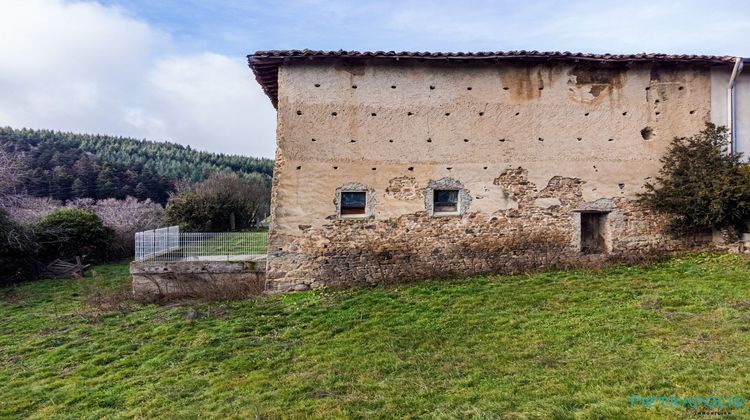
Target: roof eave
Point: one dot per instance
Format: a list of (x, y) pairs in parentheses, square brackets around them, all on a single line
[(265, 64)]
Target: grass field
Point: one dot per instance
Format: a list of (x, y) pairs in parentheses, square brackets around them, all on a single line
[(552, 345), (228, 243)]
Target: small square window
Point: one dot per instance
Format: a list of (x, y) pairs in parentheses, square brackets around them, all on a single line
[(353, 203), (445, 201)]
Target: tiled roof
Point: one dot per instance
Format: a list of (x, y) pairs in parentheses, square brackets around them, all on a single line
[(265, 64)]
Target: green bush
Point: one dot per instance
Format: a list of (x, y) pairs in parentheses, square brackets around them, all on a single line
[(68, 233), (700, 185), (224, 202), (17, 251)]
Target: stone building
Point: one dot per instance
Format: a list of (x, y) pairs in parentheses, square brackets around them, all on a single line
[(406, 166)]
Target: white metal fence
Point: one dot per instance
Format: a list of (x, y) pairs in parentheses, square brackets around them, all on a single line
[(153, 243), (169, 244)]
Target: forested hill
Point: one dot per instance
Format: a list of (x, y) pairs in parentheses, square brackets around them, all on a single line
[(69, 165)]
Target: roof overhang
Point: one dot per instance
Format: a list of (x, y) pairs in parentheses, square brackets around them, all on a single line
[(265, 64)]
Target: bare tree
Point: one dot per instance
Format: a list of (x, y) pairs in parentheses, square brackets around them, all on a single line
[(25, 209), (11, 169), (125, 217)]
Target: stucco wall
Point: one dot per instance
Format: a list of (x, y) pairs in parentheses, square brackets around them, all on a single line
[(719, 83), (394, 129)]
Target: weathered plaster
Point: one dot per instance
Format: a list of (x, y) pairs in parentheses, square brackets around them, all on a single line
[(561, 126)]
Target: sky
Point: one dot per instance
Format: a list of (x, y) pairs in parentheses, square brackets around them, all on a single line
[(176, 70)]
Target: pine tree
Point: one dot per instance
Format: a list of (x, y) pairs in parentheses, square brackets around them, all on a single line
[(79, 189)]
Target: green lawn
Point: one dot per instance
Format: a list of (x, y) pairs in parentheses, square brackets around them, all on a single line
[(229, 243), (560, 345)]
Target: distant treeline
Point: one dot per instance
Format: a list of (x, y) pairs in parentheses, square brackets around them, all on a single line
[(68, 165)]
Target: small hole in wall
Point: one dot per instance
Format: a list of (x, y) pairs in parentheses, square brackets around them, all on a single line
[(505, 88), (481, 114), (354, 86), (579, 138), (657, 113), (611, 140), (657, 101), (468, 88), (299, 112), (393, 86), (281, 249), (501, 140), (540, 139), (409, 113), (410, 168), (621, 185), (374, 114), (352, 141), (449, 168), (485, 168), (447, 114), (317, 85), (313, 140), (374, 169), (625, 113), (692, 112), (586, 114), (648, 87), (390, 141), (334, 113), (335, 167), (429, 140), (681, 88), (466, 140), (432, 87), (595, 170), (541, 87), (518, 113), (299, 167), (647, 133)]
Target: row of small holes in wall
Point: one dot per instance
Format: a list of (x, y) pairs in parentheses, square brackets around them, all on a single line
[(411, 169), (481, 113), (432, 87), (645, 133)]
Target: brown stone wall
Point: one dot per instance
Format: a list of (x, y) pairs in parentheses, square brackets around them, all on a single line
[(531, 147)]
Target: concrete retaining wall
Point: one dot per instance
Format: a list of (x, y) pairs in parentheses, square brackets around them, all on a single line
[(158, 280)]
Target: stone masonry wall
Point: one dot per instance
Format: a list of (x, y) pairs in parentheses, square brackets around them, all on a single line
[(531, 147), (539, 233)]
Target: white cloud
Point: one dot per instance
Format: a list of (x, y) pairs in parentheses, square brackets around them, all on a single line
[(687, 26), (195, 92), (85, 67)]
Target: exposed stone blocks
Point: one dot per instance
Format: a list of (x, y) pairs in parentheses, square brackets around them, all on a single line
[(417, 246)]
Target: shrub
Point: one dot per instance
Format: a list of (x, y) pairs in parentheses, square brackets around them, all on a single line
[(223, 202), (700, 185), (17, 250), (68, 233)]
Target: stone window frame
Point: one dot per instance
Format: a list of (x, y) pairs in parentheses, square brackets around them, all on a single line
[(446, 183), (355, 187)]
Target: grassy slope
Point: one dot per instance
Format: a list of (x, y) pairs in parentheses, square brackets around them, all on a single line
[(555, 344)]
